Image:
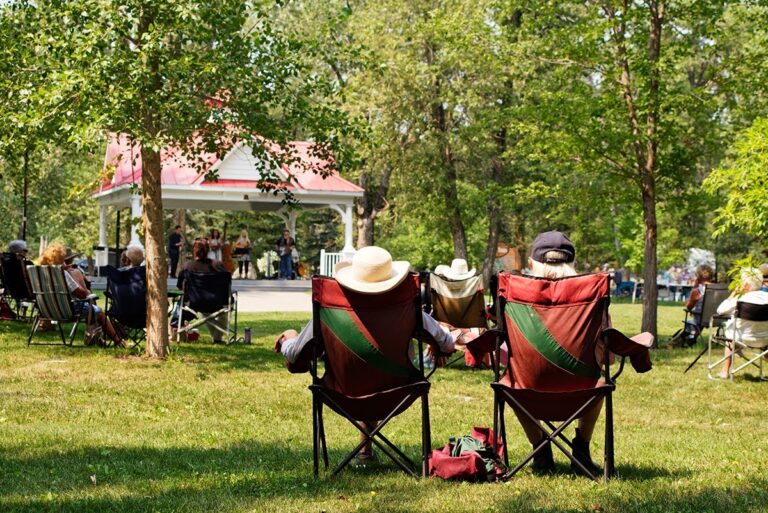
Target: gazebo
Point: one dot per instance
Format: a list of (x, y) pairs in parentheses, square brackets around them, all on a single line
[(184, 185)]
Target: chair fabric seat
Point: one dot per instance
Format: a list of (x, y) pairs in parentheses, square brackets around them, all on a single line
[(551, 405), (376, 406)]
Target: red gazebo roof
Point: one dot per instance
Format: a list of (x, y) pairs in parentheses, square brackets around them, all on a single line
[(180, 170)]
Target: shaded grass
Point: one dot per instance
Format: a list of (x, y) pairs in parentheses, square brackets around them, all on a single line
[(228, 429)]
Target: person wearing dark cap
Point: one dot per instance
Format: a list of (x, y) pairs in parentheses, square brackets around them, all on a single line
[(553, 256), (18, 248)]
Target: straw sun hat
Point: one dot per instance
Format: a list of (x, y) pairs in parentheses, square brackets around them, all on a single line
[(457, 270), (371, 271)]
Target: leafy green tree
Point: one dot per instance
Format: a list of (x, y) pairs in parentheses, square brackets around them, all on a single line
[(193, 75), (744, 182)]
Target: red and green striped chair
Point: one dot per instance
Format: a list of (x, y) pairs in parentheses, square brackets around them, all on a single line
[(53, 301), (555, 331), (364, 342)]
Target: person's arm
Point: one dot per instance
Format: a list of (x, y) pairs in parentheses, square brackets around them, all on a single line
[(727, 307), (75, 288), (691, 303), (444, 339), (290, 344)]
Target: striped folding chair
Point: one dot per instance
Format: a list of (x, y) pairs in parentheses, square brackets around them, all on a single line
[(364, 341), (555, 330), (54, 302)]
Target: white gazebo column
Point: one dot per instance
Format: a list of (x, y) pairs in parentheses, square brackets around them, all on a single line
[(346, 218), (135, 214), (102, 226)]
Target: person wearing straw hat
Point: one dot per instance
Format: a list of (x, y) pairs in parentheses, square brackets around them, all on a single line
[(458, 270), (371, 271)]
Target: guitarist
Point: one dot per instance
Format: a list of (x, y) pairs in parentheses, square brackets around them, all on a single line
[(285, 245)]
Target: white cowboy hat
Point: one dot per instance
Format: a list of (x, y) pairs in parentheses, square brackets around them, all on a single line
[(457, 270), (371, 271)]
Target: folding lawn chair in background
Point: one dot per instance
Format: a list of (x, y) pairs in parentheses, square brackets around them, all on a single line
[(208, 299), (714, 294), (460, 303), (126, 301), (364, 341), (553, 328), (752, 352), (16, 284), (54, 302)]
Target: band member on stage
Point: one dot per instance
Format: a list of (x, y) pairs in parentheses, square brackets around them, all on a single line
[(175, 245), (285, 245), (242, 251), (214, 244)]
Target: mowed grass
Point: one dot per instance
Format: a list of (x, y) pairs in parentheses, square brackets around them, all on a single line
[(229, 429)]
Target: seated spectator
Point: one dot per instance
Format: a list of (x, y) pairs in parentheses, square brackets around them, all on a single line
[(18, 248), (133, 256), (371, 268), (202, 264), (553, 256), (56, 254), (753, 289), (687, 337)]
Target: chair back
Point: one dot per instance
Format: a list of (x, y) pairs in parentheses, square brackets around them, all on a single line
[(553, 328), (207, 292), (52, 296), (751, 312), (127, 292), (460, 303), (16, 278), (714, 294), (366, 337)]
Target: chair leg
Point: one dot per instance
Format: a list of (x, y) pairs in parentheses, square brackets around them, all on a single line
[(426, 437), (503, 427), (608, 467), (322, 433), (315, 437), (61, 332), (35, 325)]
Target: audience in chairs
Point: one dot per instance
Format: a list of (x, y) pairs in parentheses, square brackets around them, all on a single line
[(754, 290), (202, 264), (56, 254)]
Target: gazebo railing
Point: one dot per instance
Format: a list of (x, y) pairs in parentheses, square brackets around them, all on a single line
[(328, 260)]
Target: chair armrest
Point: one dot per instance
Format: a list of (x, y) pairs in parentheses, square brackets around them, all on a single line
[(636, 348), (483, 344)]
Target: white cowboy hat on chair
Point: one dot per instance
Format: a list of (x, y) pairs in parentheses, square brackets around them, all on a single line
[(457, 270), (371, 271)]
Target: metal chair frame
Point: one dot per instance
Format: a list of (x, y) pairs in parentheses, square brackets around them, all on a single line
[(552, 433), (321, 397), (229, 331), (751, 355)]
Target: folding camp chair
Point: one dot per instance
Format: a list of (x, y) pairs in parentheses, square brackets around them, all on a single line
[(752, 352), (553, 328), (16, 284), (54, 302), (206, 296), (714, 294), (364, 341), (126, 301), (460, 303)]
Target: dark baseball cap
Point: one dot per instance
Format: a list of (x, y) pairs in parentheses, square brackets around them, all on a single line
[(552, 241)]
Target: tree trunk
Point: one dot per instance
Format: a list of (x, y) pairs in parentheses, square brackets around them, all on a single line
[(369, 206), (180, 218), (494, 209), (156, 260), (650, 289), (449, 186)]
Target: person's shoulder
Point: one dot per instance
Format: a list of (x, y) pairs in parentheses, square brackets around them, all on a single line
[(758, 297)]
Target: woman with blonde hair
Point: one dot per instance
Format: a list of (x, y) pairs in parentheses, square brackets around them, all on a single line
[(57, 254), (243, 247)]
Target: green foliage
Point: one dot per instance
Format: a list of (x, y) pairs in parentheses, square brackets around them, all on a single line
[(744, 182)]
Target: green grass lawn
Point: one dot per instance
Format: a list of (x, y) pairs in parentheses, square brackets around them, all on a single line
[(229, 429)]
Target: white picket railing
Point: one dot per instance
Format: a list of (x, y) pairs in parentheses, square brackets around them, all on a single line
[(328, 260)]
